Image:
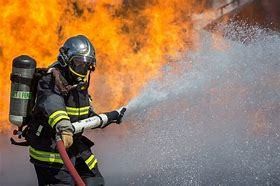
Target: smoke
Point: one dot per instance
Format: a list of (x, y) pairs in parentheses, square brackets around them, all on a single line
[(211, 118)]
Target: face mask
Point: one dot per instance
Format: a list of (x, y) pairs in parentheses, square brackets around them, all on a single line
[(80, 65)]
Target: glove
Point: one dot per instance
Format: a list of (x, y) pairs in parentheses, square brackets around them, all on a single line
[(64, 132), (67, 138), (121, 112), (114, 116)]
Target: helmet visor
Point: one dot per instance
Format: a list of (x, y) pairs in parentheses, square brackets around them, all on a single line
[(82, 64)]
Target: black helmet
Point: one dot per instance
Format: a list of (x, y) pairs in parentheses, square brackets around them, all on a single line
[(78, 54)]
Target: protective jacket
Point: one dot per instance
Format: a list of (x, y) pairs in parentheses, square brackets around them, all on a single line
[(51, 107)]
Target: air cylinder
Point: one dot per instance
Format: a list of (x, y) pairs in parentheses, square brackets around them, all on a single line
[(21, 97)]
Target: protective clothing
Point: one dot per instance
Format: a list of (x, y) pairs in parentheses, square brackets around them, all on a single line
[(50, 109), (59, 102)]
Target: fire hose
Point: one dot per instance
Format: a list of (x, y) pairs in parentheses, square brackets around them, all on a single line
[(68, 164)]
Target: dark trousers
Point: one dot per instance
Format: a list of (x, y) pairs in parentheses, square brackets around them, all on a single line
[(54, 176)]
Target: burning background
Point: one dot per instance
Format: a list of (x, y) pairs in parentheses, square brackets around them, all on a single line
[(202, 109), (133, 39)]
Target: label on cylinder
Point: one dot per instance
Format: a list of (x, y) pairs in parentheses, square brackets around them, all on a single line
[(21, 95)]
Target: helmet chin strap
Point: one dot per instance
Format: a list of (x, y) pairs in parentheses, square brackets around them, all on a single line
[(82, 83)]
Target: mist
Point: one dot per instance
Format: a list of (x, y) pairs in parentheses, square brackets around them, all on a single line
[(214, 123)]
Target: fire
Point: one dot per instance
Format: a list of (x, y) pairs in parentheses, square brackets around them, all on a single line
[(133, 39)]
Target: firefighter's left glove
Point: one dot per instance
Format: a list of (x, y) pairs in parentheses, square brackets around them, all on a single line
[(114, 116), (64, 131), (121, 112)]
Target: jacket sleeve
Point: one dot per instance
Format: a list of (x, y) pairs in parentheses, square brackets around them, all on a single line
[(50, 102)]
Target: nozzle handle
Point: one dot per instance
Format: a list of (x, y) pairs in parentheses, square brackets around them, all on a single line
[(119, 120)]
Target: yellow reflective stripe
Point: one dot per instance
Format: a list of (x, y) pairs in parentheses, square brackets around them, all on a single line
[(60, 118), (53, 115), (75, 108), (45, 156), (89, 159), (93, 164), (50, 160), (77, 111), (77, 114), (56, 116)]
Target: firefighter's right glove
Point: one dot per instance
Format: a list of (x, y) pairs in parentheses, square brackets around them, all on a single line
[(64, 132), (67, 138)]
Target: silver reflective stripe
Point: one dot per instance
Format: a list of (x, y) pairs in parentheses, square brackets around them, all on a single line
[(39, 130), (44, 156)]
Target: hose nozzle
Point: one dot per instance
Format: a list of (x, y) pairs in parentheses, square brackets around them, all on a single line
[(121, 112)]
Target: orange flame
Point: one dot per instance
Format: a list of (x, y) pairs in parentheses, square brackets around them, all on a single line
[(133, 39)]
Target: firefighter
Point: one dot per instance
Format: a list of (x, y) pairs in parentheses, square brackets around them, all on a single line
[(61, 99)]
